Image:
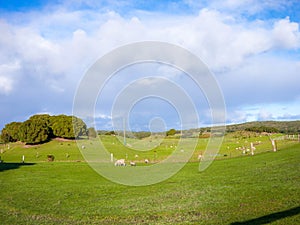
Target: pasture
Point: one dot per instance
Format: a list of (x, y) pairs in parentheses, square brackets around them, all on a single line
[(67, 150), (235, 189)]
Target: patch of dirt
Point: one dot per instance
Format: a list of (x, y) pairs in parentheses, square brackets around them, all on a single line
[(63, 139), (29, 146)]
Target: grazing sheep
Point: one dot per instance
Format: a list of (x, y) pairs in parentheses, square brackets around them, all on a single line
[(146, 161), (132, 164), (120, 162), (199, 156)]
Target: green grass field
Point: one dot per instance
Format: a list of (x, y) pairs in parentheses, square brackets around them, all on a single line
[(67, 150), (241, 189)]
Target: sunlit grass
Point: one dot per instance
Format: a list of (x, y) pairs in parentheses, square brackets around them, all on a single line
[(232, 190)]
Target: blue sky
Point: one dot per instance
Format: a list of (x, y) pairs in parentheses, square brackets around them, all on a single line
[(251, 47)]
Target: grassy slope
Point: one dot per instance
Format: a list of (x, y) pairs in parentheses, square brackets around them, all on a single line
[(233, 190), (68, 150), (283, 126)]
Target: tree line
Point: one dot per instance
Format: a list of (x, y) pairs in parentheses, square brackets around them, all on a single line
[(42, 128), (261, 129)]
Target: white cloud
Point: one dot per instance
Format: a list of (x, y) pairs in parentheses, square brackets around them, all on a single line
[(269, 111), (263, 79), (264, 115), (8, 73), (6, 85), (286, 34), (103, 116), (218, 38), (54, 48)]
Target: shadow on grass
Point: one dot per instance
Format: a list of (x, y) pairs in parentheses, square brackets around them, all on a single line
[(271, 217), (10, 166)]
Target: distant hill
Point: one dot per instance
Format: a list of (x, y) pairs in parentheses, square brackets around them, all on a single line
[(287, 127)]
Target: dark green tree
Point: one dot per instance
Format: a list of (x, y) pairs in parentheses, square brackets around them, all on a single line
[(92, 132), (5, 137), (79, 127), (11, 131), (109, 133), (68, 126), (34, 131), (43, 127), (44, 117), (142, 134), (260, 129), (171, 132)]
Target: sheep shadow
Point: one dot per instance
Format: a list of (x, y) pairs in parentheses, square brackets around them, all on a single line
[(10, 166), (271, 217)]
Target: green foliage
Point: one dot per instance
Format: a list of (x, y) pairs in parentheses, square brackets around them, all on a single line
[(92, 132), (62, 126), (11, 131), (107, 132), (68, 126), (79, 127), (34, 131), (171, 132), (5, 137), (43, 127), (260, 129), (42, 117), (286, 127)]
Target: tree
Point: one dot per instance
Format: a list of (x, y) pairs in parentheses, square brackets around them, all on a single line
[(260, 129), (34, 131), (171, 132), (79, 127), (43, 127), (11, 132), (109, 133), (5, 137), (61, 126), (92, 132), (44, 117), (68, 126), (142, 134)]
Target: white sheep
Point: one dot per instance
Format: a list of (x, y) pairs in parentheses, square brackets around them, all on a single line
[(120, 162)]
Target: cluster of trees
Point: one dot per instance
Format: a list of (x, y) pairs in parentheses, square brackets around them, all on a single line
[(172, 132), (260, 129), (285, 127), (42, 128)]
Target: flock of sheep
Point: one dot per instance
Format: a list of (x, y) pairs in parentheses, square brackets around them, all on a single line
[(121, 162)]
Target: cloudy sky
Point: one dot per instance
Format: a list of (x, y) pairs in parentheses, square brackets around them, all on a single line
[(251, 47)]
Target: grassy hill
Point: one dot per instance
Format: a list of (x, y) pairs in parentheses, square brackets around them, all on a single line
[(247, 190), (288, 127), (234, 144), (242, 189)]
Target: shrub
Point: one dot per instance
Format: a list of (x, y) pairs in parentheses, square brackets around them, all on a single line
[(50, 158)]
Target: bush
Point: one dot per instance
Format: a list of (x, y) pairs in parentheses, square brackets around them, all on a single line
[(171, 132), (43, 127), (50, 158), (34, 131)]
